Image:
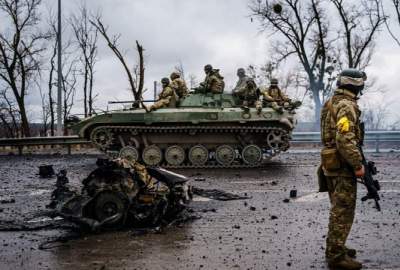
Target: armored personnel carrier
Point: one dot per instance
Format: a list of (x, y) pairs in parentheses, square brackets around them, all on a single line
[(203, 130)]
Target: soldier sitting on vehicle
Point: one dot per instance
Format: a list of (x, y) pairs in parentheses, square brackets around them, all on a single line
[(178, 85), (245, 89), (276, 99), (167, 97), (213, 83)]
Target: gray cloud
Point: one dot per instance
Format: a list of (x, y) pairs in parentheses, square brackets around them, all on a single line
[(195, 33)]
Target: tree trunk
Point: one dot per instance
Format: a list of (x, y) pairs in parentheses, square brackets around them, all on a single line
[(51, 115), (317, 104), (90, 91), (85, 98), (24, 119)]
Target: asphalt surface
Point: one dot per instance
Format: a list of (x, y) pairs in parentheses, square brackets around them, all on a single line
[(263, 232)]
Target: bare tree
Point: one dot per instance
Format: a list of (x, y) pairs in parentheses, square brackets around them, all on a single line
[(9, 116), (361, 21), (302, 31), (69, 75), (181, 70), (375, 116), (136, 86), (394, 6), (86, 36), (50, 83), (69, 83), (193, 83), (45, 106), (20, 50)]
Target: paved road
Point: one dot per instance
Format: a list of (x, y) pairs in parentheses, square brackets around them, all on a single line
[(263, 232)]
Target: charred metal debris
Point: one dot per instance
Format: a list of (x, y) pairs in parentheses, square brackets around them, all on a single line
[(121, 193)]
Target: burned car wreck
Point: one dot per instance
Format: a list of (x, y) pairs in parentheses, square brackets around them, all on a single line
[(122, 193)]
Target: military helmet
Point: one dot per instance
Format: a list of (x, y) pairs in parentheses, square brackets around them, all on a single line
[(174, 75), (241, 71), (208, 68), (352, 79), (165, 81), (274, 82)]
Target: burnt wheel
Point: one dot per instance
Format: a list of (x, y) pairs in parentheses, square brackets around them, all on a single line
[(108, 204)]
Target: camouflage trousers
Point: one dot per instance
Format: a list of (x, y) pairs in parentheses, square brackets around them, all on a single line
[(342, 194), (164, 102)]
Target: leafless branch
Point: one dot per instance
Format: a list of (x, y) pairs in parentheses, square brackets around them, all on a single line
[(112, 43), (20, 50)]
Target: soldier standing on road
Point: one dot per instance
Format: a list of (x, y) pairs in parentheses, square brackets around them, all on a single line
[(178, 85), (245, 89), (166, 98), (214, 82), (341, 164)]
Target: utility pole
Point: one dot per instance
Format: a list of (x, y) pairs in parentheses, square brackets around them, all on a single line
[(59, 73)]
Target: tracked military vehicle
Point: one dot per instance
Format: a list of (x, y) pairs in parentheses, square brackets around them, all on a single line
[(203, 130)]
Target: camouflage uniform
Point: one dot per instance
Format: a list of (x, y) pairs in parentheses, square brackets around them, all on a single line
[(340, 134), (213, 82), (149, 182), (275, 99), (166, 98), (245, 89), (178, 85)]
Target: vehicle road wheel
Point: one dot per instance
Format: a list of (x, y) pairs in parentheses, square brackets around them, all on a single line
[(175, 155), (101, 137), (275, 140), (152, 155), (129, 152), (252, 154), (225, 154), (198, 155)]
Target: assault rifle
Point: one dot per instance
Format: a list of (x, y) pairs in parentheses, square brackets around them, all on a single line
[(370, 183)]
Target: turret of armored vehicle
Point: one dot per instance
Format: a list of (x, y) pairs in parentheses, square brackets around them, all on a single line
[(202, 130)]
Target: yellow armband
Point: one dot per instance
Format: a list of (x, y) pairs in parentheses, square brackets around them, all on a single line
[(343, 125)]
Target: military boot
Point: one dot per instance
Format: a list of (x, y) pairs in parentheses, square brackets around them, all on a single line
[(345, 263), (351, 252)]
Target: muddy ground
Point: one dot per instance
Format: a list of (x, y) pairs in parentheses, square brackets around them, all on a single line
[(264, 232)]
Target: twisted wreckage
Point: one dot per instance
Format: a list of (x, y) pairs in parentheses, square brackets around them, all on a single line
[(122, 192)]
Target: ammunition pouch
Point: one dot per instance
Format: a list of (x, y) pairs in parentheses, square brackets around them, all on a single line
[(322, 182), (330, 159)]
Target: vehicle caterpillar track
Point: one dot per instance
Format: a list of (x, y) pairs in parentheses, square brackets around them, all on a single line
[(203, 131)]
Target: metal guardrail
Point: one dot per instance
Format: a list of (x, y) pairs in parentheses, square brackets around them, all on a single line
[(376, 137), (20, 143)]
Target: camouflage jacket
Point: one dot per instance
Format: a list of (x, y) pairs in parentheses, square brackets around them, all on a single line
[(342, 131), (245, 87), (214, 82), (166, 93), (274, 94), (179, 86)]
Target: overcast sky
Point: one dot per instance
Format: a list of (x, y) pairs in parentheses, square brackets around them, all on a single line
[(196, 33)]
